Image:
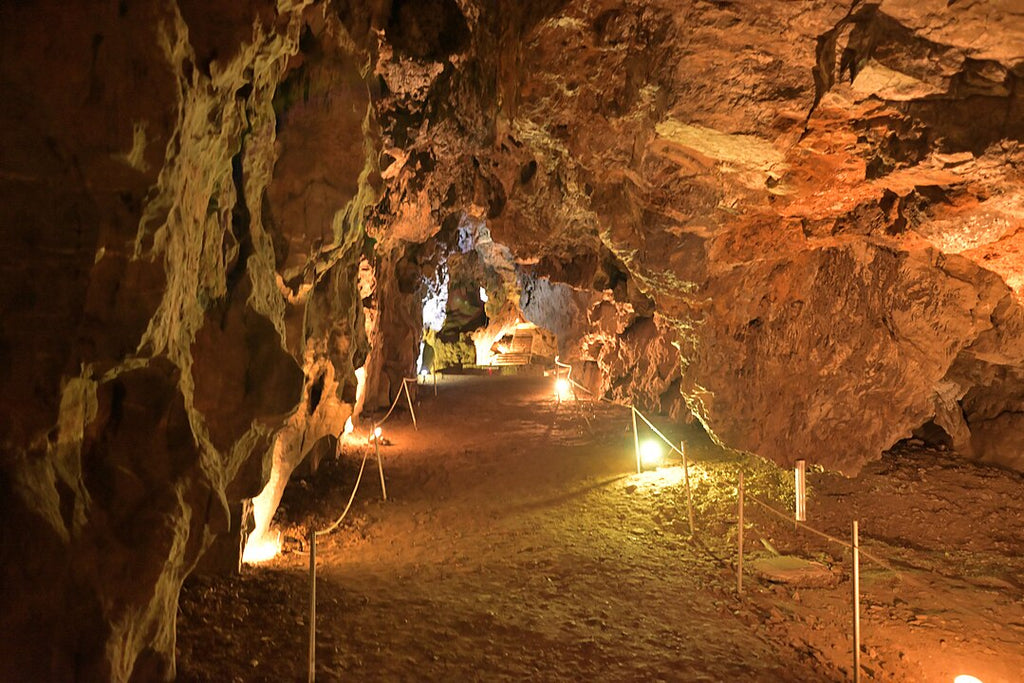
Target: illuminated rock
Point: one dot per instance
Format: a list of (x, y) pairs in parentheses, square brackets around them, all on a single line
[(802, 222), (164, 288)]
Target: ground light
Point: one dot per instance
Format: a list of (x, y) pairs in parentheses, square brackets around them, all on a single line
[(563, 389), (650, 453), (966, 678), (261, 549)]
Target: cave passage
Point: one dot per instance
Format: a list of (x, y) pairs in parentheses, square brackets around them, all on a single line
[(518, 542), (233, 234)]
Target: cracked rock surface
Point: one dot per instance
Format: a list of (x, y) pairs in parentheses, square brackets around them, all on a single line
[(799, 222), (171, 294), (821, 203)]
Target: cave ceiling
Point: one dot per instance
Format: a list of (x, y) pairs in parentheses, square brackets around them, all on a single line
[(798, 222), (824, 200)]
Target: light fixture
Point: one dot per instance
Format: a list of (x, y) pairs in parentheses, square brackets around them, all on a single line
[(966, 678), (349, 427), (262, 548), (650, 453), (377, 432), (563, 389)]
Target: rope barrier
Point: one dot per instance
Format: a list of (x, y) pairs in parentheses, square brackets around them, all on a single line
[(845, 544), (599, 398), (352, 497), (362, 465), (658, 432), (789, 518), (393, 403), (901, 575)]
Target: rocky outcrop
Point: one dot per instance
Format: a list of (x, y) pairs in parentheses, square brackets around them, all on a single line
[(821, 202), (397, 325), (170, 297), (803, 221)]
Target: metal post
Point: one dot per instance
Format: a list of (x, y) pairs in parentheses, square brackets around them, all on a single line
[(636, 442), (312, 605), (856, 603), (405, 385), (739, 564), (686, 478), (380, 467), (801, 490)]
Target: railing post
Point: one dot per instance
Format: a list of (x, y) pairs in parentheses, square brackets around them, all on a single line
[(312, 604), (412, 411), (800, 475), (686, 478), (856, 603), (636, 441), (380, 467), (739, 541)]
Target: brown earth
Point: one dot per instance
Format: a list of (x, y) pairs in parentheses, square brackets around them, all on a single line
[(517, 542)]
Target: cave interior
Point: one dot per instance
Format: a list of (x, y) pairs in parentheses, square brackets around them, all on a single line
[(547, 339)]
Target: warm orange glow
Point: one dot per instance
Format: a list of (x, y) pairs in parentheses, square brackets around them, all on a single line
[(966, 678), (563, 389), (650, 453), (262, 549), (349, 427), (265, 505)]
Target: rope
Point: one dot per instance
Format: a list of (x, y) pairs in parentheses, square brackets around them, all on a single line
[(656, 431), (362, 466), (901, 575), (568, 376), (599, 398), (845, 544), (394, 403), (352, 497)]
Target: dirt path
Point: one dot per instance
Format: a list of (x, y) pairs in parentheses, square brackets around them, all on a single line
[(518, 543), (511, 550)]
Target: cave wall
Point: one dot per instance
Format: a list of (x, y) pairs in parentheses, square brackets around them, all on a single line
[(397, 328), (803, 220), (823, 202), (169, 298)]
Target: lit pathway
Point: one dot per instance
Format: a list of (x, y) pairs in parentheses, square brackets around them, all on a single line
[(513, 546)]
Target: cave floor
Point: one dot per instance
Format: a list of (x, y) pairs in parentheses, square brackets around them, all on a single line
[(517, 542)]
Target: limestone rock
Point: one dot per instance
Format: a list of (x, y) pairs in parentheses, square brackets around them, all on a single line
[(804, 221), (820, 203), (159, 309)]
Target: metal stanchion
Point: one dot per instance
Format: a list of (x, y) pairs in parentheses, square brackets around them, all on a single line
[(856, 603), (739, 564), (312, 604), (686, 478), (636, 441)]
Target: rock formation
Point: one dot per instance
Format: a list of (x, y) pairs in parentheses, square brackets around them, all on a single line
[(178, 273), (802, 221), (821, 203)]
